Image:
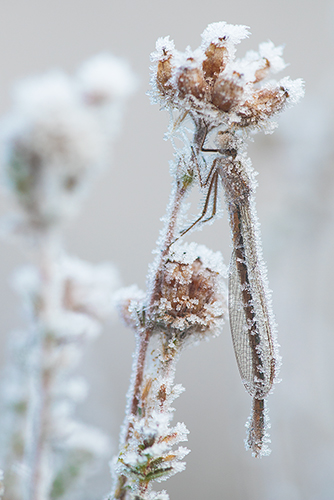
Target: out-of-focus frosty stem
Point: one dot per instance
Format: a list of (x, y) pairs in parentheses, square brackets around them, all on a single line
[(38, 446)]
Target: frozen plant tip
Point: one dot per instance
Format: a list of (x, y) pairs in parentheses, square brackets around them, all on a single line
[(225, 99)]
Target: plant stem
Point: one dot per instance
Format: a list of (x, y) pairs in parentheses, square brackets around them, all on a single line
[(144, 335), (38, 449)]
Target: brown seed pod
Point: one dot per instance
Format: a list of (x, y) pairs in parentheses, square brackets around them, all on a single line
[(190, 81), (264, 104), (215, 61), (226, 94), (164, 73)]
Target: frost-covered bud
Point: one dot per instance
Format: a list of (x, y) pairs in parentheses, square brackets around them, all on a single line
[(215, 61), (226, 93), (190, 81), (191, 297), (164, 73), (263, 104), (51, 145)]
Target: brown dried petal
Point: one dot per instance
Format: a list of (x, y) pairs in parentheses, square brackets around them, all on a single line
[(190, 81), (262, 72), (226, 94), (215, 61)]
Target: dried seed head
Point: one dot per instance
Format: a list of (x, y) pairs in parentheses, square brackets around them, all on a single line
[(210, 84), (215, 61), (190, 81), (191, 296), (226, 93)]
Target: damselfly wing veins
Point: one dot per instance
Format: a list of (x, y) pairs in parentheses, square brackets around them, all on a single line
[(251, 318)]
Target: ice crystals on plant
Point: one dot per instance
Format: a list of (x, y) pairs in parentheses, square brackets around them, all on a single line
[(211, 84)]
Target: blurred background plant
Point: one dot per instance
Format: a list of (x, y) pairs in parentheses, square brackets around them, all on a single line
[(53, 143), (295, 207)]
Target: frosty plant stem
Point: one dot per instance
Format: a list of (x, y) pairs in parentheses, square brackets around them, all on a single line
[(215, 102), (180, 192)]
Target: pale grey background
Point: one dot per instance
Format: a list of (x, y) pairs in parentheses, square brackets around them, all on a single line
[(120, 222)]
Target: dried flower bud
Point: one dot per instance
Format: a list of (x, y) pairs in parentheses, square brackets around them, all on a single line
[(264, 104), (226, 94), (215, 61), (164, 73), (191, 295), (190, 81)]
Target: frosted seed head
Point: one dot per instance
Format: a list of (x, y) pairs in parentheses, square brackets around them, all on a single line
[(262, 105), (162, 68), (293, 89), (227, 93), (190, 81), (191, 297), (51, 146), (215, 60), (210, 85)]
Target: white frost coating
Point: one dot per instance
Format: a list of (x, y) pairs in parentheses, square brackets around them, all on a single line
[(163, 46), (187, 253), (273, 54), (224, 35), (295, 88), (36, 95), (90, 288), (106, 78)]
